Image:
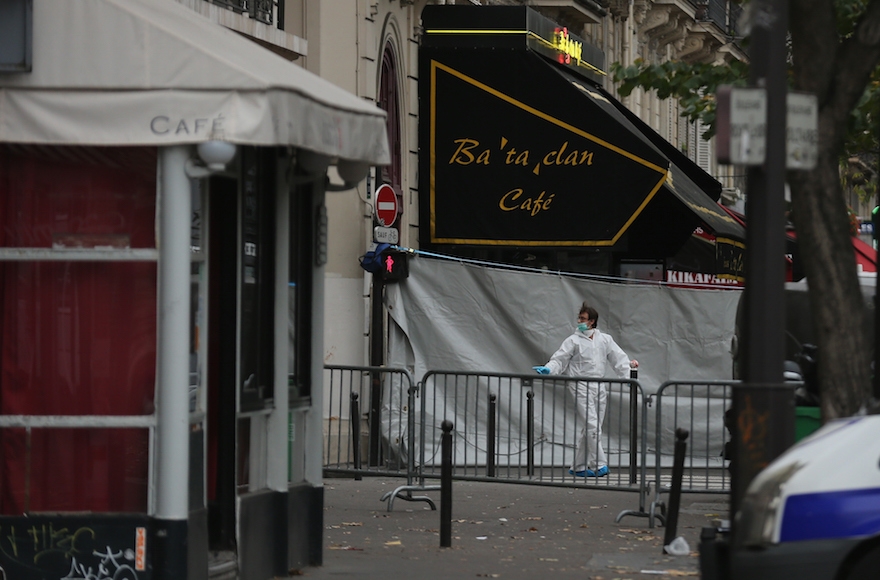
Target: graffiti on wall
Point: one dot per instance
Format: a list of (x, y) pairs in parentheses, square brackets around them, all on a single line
[(74, 548)]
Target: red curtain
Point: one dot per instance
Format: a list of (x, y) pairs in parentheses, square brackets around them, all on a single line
[(76, 338)]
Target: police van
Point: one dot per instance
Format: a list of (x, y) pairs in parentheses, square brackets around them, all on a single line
[(812, 514)]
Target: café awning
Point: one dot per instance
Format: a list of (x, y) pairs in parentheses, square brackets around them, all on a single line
[(153, 72), (522, 149)]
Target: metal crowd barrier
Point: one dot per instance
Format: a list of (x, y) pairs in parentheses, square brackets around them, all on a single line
[(369, 426), (698, 407), (360, 397), (507, 427), (524, 428), (521, 429)]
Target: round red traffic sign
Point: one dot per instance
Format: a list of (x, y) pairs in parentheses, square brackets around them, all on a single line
[(386, 205)]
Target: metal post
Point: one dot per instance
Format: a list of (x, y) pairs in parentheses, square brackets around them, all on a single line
[(875, 375), (355, 414), (490, 436), (446, 485), (172, 398), (377, 359), (681, 436), (530, 433), (633, 427), (764, 326)]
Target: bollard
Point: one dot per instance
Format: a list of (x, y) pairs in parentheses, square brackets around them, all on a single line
[(355, 415), (633, 427), (681, 436), (446, 485), (490, 436), (530, 433)]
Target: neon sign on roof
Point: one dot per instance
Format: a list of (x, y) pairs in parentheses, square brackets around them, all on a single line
[(568, 47)]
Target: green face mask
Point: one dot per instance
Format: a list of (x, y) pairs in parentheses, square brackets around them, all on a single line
[(582, 327)]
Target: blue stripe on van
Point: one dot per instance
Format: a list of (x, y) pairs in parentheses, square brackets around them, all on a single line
[(836, 514)]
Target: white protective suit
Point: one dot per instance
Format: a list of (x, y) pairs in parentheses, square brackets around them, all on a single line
[(584, 354)]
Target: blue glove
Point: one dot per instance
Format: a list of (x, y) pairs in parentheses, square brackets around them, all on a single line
[(542, 370)]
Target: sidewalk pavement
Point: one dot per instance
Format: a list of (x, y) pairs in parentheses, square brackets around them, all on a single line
[(506, 531)]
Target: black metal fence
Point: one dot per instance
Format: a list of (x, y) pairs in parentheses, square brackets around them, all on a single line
[(522, 429)]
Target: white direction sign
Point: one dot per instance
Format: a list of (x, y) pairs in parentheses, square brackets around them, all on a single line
[(802, 131), (386, 235), (741, 126)]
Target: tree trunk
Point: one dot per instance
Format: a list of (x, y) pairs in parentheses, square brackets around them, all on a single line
[(838, 311), (837, 70)]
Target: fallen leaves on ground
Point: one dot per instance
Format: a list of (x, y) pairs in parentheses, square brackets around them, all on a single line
[(634, 531)]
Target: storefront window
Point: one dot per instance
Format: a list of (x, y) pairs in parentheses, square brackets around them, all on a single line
[(77, 323), (256, 281), (65, 470), (302, 233)]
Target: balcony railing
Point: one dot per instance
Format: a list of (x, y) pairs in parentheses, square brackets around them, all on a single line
[(269, 12), (723, 13)]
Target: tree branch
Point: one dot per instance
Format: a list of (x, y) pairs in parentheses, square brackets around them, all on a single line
[(814, 45), (854, 62)]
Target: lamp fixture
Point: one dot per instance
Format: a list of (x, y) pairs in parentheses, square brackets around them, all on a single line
[(313, 163), (314, 166), (213, 156), (216, 154), (352, 171)]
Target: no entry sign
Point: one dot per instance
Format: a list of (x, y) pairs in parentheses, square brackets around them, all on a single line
[(386, 205)]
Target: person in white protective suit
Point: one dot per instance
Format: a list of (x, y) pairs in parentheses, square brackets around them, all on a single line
[(585, 354)]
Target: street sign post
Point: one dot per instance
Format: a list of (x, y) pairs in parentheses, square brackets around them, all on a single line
[(386, 205), (385, 235), (802, 131), (741, 126)]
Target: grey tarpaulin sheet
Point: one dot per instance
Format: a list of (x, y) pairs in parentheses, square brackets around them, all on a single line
[(451, 315)]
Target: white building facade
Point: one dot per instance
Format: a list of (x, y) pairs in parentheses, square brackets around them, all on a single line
[(371, 49)]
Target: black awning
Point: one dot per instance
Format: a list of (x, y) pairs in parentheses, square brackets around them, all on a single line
[(705, 182), (696, 189), (706, 210), (516, 150)]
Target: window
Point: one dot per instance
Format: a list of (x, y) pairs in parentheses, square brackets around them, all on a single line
[(77, 324)]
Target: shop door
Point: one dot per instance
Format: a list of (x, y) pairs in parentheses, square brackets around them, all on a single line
[(221, 405), (240, 350)]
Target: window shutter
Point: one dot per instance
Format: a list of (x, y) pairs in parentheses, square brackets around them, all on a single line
[(703, 149)]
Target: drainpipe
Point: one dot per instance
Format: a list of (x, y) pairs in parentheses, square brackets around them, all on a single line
[(628, 32), (172, 399)]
